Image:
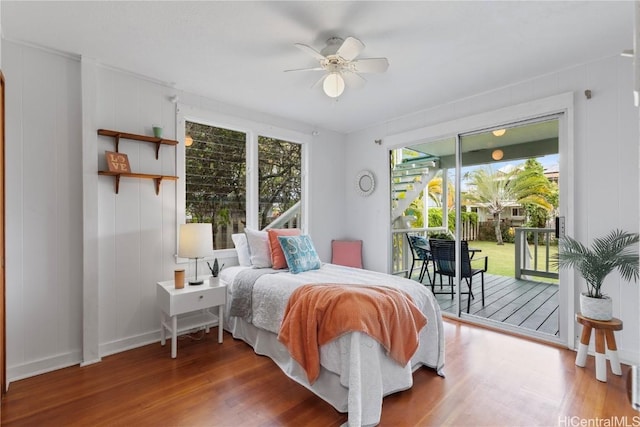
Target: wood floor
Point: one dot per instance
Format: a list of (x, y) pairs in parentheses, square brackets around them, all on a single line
[(492, 379)]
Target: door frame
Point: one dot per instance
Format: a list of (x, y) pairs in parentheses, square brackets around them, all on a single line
[(3, 328), (557, 104)]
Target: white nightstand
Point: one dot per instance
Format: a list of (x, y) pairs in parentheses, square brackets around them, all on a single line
[(194, 300)]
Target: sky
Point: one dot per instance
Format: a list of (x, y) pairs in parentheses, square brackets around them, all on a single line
[(545, 161)]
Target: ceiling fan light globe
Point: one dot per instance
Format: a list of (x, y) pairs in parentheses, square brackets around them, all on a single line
[(333, 85)]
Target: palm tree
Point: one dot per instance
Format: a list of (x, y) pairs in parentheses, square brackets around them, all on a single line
[(434, 190), (498, 190)]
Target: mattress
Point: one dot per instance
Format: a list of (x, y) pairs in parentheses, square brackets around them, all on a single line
[(356, 373)]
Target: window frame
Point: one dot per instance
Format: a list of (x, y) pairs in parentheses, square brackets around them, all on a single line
[(252, 129)]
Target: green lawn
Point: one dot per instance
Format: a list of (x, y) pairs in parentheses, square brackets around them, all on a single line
[(502, 258)]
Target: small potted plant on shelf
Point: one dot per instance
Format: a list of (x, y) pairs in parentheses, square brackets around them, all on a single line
[(617, 250)]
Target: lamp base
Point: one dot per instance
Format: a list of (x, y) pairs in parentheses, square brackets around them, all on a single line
[(196, 283)]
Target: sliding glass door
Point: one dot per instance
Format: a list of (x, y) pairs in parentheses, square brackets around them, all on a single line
[(509, 179), (494, 195)]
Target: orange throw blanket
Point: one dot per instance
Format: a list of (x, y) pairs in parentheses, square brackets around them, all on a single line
[(319, 313)]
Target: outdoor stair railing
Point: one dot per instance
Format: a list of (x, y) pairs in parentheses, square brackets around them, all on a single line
[(536, 263), (289, 218), (408, 179)]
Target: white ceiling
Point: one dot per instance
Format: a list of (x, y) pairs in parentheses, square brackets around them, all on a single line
[(236, 52)]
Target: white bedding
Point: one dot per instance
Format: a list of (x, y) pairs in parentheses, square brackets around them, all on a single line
[(355, 370)]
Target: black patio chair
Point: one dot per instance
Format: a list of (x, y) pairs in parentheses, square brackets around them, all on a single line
[(443, 253), (420, 252)]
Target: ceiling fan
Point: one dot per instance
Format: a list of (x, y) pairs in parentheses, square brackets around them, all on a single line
[(338, 60)]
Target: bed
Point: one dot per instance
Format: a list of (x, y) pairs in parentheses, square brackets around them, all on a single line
[(355, 370)]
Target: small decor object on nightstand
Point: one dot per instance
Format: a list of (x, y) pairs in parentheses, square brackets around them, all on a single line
[(178, 279), (195, 241), (215, 270), (117, 162)]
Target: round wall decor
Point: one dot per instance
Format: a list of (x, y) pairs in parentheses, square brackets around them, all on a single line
[(365, 183)]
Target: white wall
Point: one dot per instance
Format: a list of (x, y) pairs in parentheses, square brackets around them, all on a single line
[(50, 100), (606, 166), (44, 210)]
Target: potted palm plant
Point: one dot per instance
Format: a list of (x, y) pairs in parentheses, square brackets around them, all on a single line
[(617, 250)]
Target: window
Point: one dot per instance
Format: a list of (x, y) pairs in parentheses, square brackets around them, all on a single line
[(215, 164), (279, 183), (239, 173)]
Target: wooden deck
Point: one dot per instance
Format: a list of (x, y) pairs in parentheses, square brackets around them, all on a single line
[(527, 304)]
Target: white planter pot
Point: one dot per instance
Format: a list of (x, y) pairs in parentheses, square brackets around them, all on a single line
[(596, 308)]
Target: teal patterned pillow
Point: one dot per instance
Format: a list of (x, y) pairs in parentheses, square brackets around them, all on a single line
[(300, 253), (419, 240)]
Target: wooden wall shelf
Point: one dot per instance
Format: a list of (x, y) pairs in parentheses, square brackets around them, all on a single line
[(157, 178), (123, 135), (144, 138)]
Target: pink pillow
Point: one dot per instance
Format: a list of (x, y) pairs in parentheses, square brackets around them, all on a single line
[(347, 253), (277, 256)]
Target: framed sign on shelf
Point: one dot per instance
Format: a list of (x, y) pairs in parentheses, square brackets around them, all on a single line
[(117, 162)]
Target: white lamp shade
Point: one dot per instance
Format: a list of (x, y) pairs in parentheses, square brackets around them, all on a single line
[(333, 85), (195, 241)]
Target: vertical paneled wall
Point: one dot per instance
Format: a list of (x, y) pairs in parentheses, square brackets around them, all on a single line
[(606, 176), (44, 210), (136, 227)]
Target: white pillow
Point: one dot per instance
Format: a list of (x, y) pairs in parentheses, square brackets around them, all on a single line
[(242, 248), (259, 248)]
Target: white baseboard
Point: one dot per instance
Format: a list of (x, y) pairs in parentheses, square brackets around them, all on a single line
[(125, 344), (90, 362), (49, 364), (30, 369)]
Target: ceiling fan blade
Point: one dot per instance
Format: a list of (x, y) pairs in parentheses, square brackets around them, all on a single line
[(306, 69), (354, 80), (311, 51), (370, 65), (351, 47)]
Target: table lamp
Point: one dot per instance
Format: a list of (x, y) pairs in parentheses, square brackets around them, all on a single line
[(195, 241)]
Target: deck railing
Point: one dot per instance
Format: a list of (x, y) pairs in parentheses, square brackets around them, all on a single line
[(402, 255), (536, 263)]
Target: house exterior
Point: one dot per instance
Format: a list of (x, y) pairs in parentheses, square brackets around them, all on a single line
[(82, 262), (514, 216)]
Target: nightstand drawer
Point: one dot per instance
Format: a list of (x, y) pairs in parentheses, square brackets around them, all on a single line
[(205, 298)]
